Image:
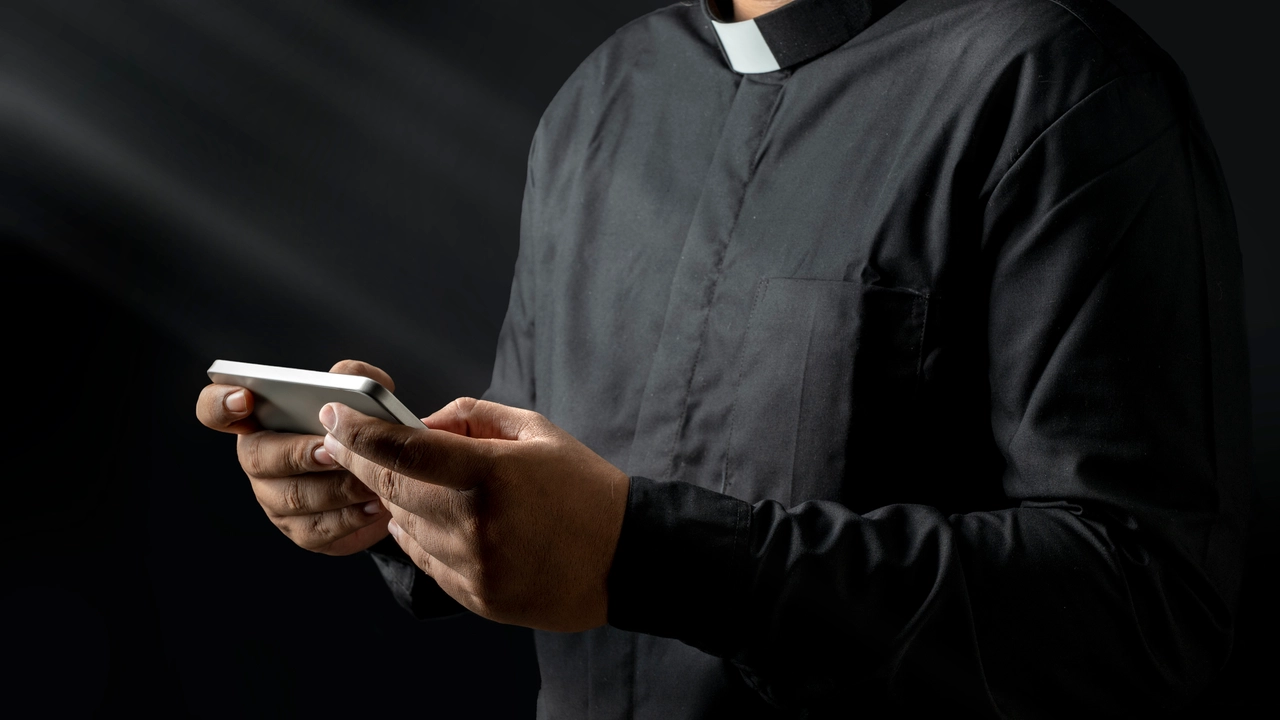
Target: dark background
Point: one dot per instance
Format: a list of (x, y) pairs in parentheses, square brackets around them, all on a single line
[(296, 182)]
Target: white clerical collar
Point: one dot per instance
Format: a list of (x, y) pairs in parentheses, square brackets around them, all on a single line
[(794, 33)]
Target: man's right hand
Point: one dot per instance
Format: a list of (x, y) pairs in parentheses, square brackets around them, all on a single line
[(315, 502)]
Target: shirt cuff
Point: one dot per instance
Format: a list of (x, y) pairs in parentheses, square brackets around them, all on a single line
[(413, 589), (681, 566)]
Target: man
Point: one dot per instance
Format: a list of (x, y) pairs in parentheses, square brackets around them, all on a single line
[(883, 354)]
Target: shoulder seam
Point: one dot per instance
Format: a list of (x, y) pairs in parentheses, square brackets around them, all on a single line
[(995, 188)]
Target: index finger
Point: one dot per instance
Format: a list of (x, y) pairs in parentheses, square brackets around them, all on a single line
[(227, 408), (364, 369), (433, 456)]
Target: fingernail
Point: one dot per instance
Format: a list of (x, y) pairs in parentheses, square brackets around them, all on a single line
[(322, 456), (331, 447), (395, 529), (236, 402), (328, 418), (373, 507)]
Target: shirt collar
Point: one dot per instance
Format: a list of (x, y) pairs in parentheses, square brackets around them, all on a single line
[(794, 33)]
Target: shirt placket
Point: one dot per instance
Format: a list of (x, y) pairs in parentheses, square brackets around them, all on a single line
[(662, 448)]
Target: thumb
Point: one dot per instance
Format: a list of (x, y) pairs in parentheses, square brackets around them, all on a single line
[(484, 419)]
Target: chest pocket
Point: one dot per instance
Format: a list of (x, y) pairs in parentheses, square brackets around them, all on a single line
[(828, 372)]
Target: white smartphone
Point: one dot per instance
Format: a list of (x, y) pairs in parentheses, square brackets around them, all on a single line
[(289, 400)]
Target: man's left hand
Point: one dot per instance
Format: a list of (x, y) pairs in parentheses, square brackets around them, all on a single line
[(512, 516)]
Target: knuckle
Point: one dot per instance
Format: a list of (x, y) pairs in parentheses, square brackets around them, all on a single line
[(410, 523), (406, 454), (306, 533), (426, 562), (341, 490), (286, 525), (467, 506), (387, 482), (465, 406), (332, 526), (294, 496), (250, 451), (300, 454), (319, 529), (529, 424)]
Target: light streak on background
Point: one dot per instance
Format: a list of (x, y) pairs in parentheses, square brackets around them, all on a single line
[(295, 182)]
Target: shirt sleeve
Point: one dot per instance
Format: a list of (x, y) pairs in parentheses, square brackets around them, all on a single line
[(1119, 401), (412, 589)]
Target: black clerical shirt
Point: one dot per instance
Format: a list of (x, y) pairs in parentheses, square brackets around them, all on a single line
[(918, 326)]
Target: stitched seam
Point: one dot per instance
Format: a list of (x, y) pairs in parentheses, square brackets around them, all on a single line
[(1038, 139), (1124, 73)]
